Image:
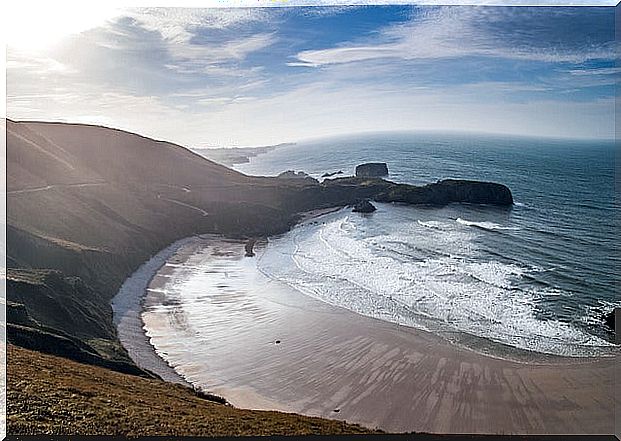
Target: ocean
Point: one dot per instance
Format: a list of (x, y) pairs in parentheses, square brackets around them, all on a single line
[(535, 278)]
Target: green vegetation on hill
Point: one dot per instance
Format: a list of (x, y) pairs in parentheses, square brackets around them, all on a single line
[(62, 315), (87, 205)]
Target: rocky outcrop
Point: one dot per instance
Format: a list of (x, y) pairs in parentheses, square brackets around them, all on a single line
[(372, 170), (341, 191), (249, 247), (292, 174), (329, 175), (364, 207), (448, 191), (609, 320)]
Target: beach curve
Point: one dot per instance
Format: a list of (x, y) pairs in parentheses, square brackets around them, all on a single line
[(273, 348)]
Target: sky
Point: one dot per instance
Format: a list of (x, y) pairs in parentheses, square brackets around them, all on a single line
[(259, 76)]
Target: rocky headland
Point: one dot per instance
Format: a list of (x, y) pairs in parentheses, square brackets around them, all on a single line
[(236, 155)]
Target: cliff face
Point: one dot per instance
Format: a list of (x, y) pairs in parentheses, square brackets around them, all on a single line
[(87, 205)]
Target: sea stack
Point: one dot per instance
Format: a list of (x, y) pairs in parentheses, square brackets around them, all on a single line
[(372, 170), (364, 207)]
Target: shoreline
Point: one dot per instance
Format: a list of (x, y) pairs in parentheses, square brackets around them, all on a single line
[(127, 311), (128, 304), (341, 365)]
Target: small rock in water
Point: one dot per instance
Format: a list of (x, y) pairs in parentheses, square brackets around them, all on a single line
[(337, 410), (327, 175), (609, 320), (249, 247), (364, 207)]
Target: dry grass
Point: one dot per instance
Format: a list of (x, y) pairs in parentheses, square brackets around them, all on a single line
[(52, 395)]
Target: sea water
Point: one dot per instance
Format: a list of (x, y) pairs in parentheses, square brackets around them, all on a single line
[(538, 276)]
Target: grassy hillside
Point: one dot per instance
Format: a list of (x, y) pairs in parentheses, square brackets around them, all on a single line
[(92, 204), (51, 395)]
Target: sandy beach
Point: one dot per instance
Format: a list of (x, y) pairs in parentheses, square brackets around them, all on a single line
[(127, 308), (264, 345)]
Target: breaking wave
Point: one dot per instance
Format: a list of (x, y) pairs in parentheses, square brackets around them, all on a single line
[(483, 225), (428, 274)]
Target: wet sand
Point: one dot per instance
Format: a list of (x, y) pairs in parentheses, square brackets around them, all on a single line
[(263, 345), (127, 309)]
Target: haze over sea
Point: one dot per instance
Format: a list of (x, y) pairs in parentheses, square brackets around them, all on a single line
[(536, 277)]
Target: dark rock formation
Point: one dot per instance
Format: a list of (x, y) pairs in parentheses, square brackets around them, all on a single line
[(249, 247), (364, 207), (292, 174), (372, 170), (448, 191), (609, 320), (346, 190), (329, 175)]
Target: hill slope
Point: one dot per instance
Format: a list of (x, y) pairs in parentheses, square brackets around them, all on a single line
[(92, 204), (51, 395)]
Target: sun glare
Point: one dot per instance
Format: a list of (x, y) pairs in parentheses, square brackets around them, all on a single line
[(30, 26)]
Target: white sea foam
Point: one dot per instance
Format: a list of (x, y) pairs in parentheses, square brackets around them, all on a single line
[(427, 275), (595, 313), (484, 225), (435, 225)]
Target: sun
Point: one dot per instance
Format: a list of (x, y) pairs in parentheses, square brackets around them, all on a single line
[(30, 26)]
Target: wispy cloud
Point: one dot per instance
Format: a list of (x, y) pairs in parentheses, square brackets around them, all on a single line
[(452, 32), (259, 76), (181, 35), (179, 24), (209, 58), (597, 71)]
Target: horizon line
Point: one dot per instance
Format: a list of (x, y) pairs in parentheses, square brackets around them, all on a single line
[(321, 137)]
